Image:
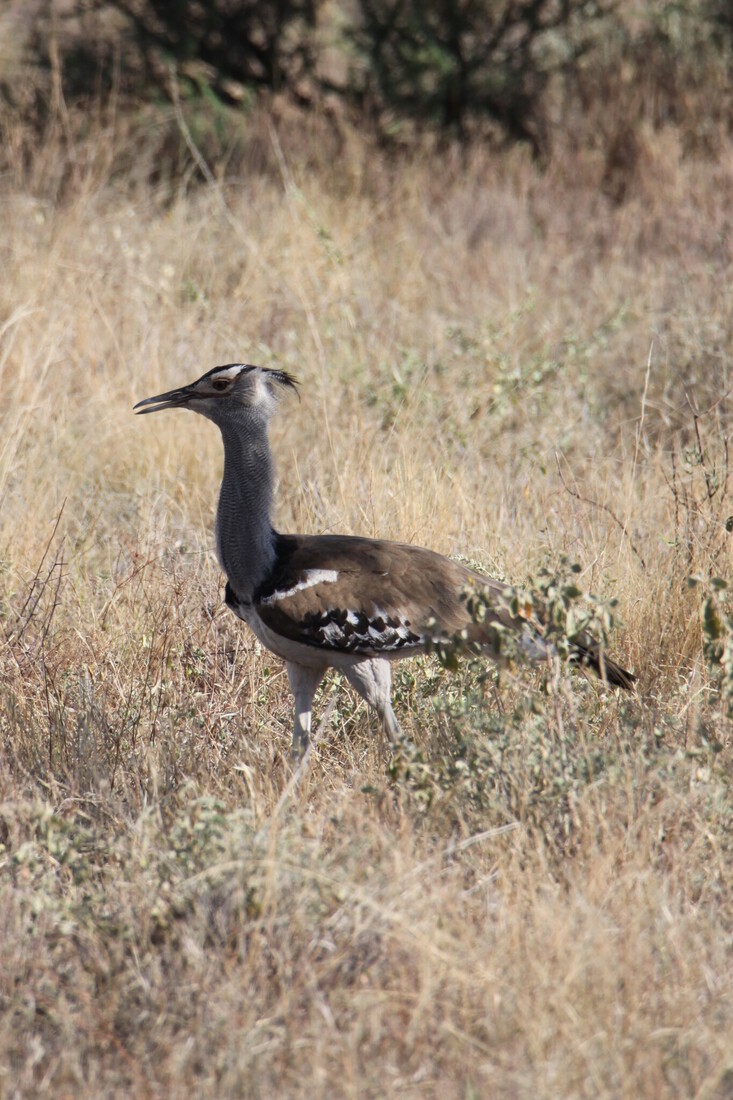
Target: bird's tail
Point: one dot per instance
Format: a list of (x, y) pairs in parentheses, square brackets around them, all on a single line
[(500, 614), (585, 653), (605, 668)]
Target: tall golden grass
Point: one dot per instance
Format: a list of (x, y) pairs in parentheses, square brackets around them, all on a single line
[(529, 896)]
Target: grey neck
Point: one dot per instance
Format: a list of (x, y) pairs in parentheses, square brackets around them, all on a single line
[(245, 540)]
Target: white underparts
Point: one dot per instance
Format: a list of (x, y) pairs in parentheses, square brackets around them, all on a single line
[(534, 647)]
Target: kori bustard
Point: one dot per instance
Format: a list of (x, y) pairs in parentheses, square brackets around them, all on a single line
[(330, 601)]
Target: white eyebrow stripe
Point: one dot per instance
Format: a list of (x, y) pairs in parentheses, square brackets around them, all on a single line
[(227, 372), (311, 577)]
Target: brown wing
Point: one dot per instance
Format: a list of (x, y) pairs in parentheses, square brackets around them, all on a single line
[(375, 598), (364, 596)]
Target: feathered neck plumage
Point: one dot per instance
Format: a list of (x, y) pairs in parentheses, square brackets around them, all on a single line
[(245, 539)]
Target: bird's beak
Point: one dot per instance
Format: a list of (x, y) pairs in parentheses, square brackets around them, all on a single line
[(171, 400)]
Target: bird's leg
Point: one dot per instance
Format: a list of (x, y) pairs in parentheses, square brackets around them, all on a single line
[(372, 678), (303, 684)]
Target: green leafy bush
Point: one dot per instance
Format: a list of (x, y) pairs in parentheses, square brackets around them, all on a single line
[(452, 65)]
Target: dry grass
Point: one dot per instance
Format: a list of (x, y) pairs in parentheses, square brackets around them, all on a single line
[(522, 900)]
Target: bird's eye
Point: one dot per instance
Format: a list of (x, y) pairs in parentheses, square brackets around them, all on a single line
[(220, 384)]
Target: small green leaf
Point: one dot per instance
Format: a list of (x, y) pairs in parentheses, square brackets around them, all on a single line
[(712, 627)]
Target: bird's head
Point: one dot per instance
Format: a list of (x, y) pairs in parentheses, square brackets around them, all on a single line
[(225, 393)]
